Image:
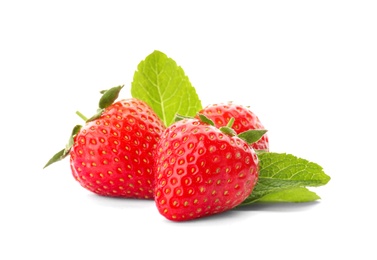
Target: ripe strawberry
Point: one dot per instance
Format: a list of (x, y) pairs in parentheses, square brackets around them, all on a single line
[(112, 155), (245, 120), (201, 171)]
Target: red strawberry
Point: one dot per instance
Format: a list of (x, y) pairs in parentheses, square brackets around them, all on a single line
[(112, 155), (245, 120), (201, 171)]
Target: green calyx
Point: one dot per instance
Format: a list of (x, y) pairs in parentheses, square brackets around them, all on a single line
[(108, 97), (206, 120), (228, 128), (179, 117), (249, 136), (252, 136), (64, 152)]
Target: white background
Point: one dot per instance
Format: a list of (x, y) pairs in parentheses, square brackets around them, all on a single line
[(306, 68)]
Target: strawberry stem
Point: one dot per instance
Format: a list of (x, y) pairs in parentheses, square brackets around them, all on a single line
[(81, 116), (228, 128), (230, 123)]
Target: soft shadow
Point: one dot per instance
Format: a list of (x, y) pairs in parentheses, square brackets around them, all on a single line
[(271, 207), (216, 218), (117, 202), (278, 207)]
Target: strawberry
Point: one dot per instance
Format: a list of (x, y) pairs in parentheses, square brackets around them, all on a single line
[(202, 170), (112, 155), (245, 120)]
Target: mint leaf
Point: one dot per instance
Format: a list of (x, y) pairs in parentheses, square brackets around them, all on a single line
[(281, 171), (163, 85), (299, 194)]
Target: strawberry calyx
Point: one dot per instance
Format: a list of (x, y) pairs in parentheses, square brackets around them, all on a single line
[(108, 97), (250, 136), (228, 128), (64, 152)]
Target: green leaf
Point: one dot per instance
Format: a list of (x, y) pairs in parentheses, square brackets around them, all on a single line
[(299, 194), (281, 171), (163, 85), (252, 136)]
